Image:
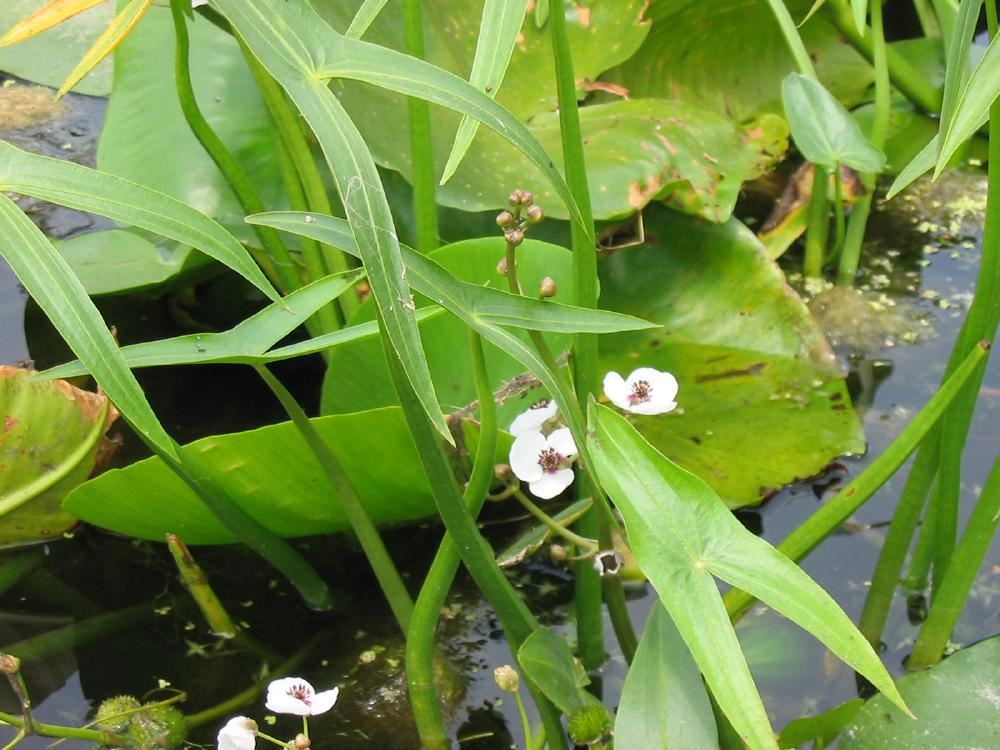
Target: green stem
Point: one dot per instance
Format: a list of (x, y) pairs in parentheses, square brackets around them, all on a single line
[(290, 129), (910, 82), (980, 324), (364, 528), (832, 515), (587, 545), (516, 618), (819, 224), (840, 224), (201, 591), (421, 145), (955, 585), (434, 591), (525, 723), (922, 562), (792, 38), (66, 733), (587, 594), (854, 239), (897, 540), (281, 267), (242, 698)]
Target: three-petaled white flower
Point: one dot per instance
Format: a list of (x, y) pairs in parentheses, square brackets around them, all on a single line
[(534, 418), (644, 391), (544, 462), (293, 695), (240, 733)]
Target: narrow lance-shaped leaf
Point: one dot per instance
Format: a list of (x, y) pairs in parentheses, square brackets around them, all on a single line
[(501, 23), (859, 9), (85, 189), (823, 129), (105, 44), (364, 18), (43, 19), (271, 36), (973, 106), (62, 297), (956, 72), (682, 535), (296, 39)]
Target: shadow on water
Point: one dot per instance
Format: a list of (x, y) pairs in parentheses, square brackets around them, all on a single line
[(917, 276)]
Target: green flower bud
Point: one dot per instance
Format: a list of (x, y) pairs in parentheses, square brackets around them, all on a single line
[(547, 287), (157, 728), (589, 725), (534, 214), (507, 678), (505, 219), (115, 714)]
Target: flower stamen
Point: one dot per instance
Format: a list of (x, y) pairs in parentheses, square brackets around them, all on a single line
[(550, 460), (642, 392)]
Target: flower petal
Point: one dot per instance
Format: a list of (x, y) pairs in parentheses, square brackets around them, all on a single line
[(551, 484), (562, 441), (281, 696), (239, 733), (532, 419), (523, 456), (323, 702), (616, 390)]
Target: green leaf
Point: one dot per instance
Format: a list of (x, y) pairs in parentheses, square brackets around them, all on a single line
[(48, 58), (114, 261), (64, 301), (548, 662), (955, 703), (822, 728), (272, 476), (498, 31), (664, 705), (363, 19), (531, 541), (823, 129), (918, 166), (957, 69), (859, 9), (973, 105), (747, 354), (49, 437), (248, 341), (682, 536), (72, 185), (696, 53), (146, 139)]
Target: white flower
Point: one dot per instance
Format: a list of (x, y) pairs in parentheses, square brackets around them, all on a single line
[(240, 733), (532, 420), (544, 462), (645, 391), (293, 695)]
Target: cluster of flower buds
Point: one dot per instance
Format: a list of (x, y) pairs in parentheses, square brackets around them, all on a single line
[(523, 212)]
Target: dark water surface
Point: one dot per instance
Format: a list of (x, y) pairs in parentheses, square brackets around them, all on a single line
[(921, 261)]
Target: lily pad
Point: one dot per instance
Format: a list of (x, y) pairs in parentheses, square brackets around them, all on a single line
[(146, 139), (637, 151), (50, 433), (271, 474), (763, 402), (700, 52), (956, 704), (121, 260), (49, 57)]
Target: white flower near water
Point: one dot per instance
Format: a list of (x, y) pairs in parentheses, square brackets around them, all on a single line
[(293, 695), (240, 733), (534, 418), (645, 391), (544, 462)]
